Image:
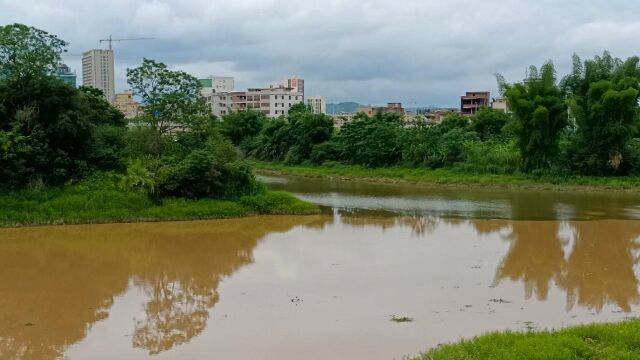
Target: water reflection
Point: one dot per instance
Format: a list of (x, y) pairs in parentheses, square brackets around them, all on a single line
[(461, 202), (58, 282)]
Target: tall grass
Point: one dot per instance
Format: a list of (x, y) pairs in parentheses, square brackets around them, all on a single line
[(595, 341), (99, 200)]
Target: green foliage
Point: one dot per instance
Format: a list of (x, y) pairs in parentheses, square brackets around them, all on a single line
[(488, 123), (490, 157), (371, 141), (27, 52), (293, 139), (438, 145), (603, 99), (242, 125), (596, 341), (539, 116), (101, 199), (170, 99), (53, 132)]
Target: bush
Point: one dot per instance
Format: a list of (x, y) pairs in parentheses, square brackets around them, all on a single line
[(492, 157)]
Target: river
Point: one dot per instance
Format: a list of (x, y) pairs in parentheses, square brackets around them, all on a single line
[(457, 261)]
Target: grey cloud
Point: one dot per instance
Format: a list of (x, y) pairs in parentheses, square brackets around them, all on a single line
[(416, 51)]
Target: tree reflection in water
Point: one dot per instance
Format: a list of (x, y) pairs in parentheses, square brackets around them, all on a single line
[(596, 271), (57, 282)]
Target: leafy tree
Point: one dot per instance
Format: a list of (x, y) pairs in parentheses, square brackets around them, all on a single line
[(488, 123), (371, 141), (539, 116), (292, 139), (242, 125), (49, 133), (170, 99), (438, 145), (27, 52), (603, 99)]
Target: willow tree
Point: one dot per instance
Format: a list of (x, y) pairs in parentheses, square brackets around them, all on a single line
[(539, 115), (603, 96)]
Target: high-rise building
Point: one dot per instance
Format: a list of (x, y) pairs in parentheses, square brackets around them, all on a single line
[(97, 71), (473, 101), (297, 84), (318, 104), (66, 74)]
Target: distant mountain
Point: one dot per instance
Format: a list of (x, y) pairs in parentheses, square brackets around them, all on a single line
[(348, 107)]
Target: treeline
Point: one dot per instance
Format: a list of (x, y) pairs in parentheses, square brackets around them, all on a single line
[(584, 124), (53, 134)]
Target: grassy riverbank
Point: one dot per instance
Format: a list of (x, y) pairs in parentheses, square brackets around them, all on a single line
[(596, 341), (452, 177), (101, 201)]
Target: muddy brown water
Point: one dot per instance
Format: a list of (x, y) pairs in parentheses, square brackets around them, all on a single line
[(318, 287)]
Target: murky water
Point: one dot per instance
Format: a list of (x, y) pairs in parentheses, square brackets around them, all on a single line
[(315, 287)]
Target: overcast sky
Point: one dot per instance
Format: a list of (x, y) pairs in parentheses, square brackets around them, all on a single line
[(419, 52)]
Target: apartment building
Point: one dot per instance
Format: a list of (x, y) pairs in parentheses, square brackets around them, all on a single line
[(273, 102), (97, 71), (318, 104), (473, 101)]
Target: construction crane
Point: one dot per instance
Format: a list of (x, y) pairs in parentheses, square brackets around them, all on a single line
[(111, 39)]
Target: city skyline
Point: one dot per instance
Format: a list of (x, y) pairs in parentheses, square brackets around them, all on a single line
[(420, 53)]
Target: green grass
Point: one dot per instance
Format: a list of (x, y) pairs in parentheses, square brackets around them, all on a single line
[(595, 341), (452, 177), (100, 201)]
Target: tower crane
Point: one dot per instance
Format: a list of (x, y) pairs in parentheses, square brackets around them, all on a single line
[(110, 39)]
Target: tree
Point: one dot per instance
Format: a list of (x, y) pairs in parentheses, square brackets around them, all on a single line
[(488, 123), (603, 99), (28, 52), (241, 125), (170, 99), (539, 116), (371, 141)]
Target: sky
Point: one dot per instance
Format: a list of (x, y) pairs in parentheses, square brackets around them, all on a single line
[(418, 52)]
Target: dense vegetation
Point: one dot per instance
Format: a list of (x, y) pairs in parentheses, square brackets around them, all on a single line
[(584, 125), (67, 155), (596, 341)]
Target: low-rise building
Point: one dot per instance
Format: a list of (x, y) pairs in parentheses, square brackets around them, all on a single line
[(273, 102), (126, 104), (318, 104), (473, 101), (395, 108), (436, 116), (501, 104)]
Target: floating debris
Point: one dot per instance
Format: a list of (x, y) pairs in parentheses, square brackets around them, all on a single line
[(401, 319)]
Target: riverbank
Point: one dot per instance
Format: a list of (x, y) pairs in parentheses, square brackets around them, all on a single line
[(594, 341), (98, 202), (451, 177)]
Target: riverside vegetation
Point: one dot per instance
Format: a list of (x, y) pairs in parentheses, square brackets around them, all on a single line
[(68, 156), (581, 130)]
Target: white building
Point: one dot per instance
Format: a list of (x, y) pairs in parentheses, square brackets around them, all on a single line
[(218, 84), (97, 71), (273, 102), (318, 104), (501, 103)]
